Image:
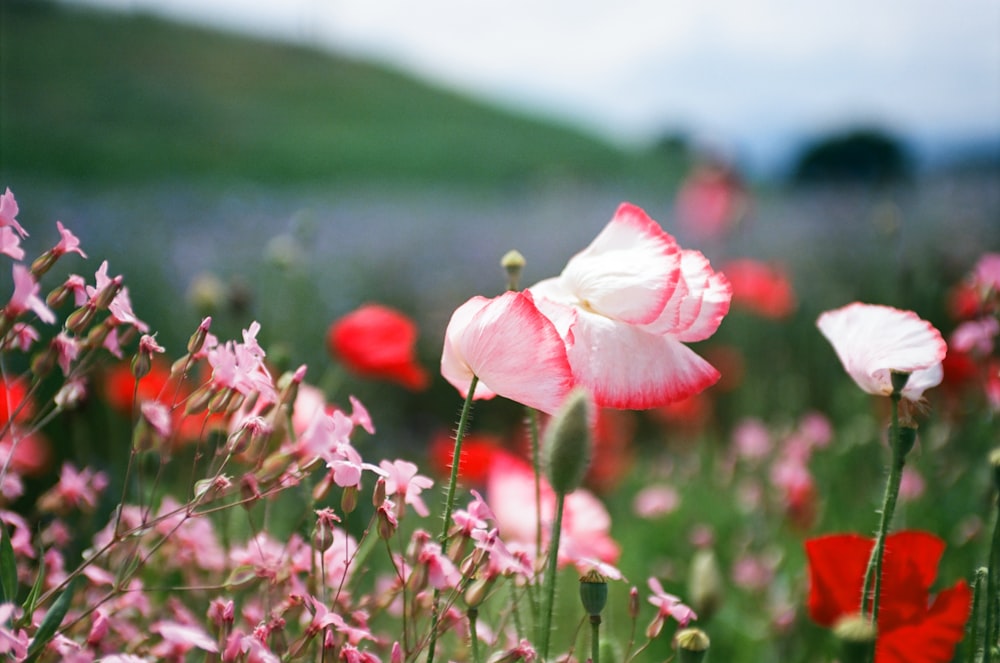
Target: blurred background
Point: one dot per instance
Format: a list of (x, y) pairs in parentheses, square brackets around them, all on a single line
[(288, 162)]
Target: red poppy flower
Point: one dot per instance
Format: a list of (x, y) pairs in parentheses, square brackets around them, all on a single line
[(378, 342), (912, 628), (478, 451), (760, 288)]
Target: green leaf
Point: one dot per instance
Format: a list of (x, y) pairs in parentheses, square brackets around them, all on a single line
[(8, 567), (36, 589), (53, 618)]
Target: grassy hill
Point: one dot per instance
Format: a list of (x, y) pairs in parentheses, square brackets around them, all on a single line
[(104, 98)]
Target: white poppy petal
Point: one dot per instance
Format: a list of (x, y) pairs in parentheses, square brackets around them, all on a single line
[(871, 341), (628, 272)]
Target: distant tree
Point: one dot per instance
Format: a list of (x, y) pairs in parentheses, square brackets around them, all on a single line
[(863, 156)]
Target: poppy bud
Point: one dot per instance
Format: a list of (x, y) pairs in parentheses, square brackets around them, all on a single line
[(898, 379), (692, 645), (856, 635), (567, 444), (593, 593), (705, 585), (513, 263)]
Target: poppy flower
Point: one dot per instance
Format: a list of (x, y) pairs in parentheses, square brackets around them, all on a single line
[(378, 342), (626, 305), (512, 349), (874, 341), (760, 288), (478, 450), (912, 628)]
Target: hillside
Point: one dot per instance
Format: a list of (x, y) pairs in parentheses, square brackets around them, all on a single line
[(100, 98)]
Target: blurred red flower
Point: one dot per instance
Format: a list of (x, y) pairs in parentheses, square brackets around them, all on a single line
[(912, 628), (478, 451), (760, 288), (378, 342)]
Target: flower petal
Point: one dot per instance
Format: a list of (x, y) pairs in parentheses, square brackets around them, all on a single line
[(514, 350), (698, 304), (628, 272), (933, 638), (625, 367), (837, 566), (872, 340)]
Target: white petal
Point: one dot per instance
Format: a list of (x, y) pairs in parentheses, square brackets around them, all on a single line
[(872, 340), (628, 272)]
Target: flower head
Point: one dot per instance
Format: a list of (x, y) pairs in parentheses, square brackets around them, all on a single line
[(625, 306), (378, 342), (875, 341), (912, 628)]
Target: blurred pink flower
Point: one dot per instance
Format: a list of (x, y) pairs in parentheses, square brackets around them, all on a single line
[(8, 213), (626, 305), (872, 341), (586, 528), (986, 273), (179, 639), (761, 288), (655, 501), (511, 347), (975, 336), (25, 297), (12, 642), (752, 439), (68, 242), (667, 605), (10, 244), (911, 485)]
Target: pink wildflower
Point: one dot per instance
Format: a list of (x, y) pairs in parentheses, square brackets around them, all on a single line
[(157, 415), (68, 242), (975, 336), (23, 336), (667, 605), (403, 481), (12, 642), (8, 213), (67, 348), (656, 501), (10, 244), (179, 639), (25, 297), (626, 305)]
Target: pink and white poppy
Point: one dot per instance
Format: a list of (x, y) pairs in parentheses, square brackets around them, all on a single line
[(626, 305), (872, 341), (512, 348)]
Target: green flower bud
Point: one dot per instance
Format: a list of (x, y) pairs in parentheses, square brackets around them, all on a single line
[(567, 445), (692, 645), (593, 593), (857, 636), (706, 587), (513, 263)]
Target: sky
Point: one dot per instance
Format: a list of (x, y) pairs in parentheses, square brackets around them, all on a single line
[(743, 75)]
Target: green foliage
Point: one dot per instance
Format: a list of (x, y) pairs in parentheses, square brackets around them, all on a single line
[(108, 98)]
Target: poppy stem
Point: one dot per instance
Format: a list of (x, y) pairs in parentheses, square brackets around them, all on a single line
[(550, 576), (978, 585), (449, 505), (992, 628), (901, 444)]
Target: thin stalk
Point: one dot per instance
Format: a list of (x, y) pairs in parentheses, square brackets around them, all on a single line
[(536, 465), (595, 639), (550, 576), (449, 504), (473, 635), (978, 582), (992, 629)]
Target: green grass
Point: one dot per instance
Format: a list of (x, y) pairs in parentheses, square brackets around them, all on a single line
[(105, 98)]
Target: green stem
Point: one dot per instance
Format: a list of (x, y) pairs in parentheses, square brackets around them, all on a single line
[(978, 582), (873, 574), (550, 576), (473, 635), (537, 467), (992, 629), (449, 505), (595, 639)]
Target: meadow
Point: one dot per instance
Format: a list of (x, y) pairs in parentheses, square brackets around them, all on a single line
[(219, 184)]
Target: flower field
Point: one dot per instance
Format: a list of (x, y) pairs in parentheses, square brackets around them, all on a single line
[(765, 442)]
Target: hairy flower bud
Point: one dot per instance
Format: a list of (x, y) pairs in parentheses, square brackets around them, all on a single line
[(856, 635), (593, 593), (692, 645), (567, 445), (513, 263)]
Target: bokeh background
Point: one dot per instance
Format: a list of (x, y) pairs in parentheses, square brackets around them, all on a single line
[(289, 162)]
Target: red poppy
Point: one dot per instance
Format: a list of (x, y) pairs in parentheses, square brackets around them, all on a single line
[(478, 452), (378, 342), (912, 628), (760, 288)]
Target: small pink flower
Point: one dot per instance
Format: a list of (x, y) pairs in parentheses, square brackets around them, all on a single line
[(512, 348), (441, 571), (179, 639), (667, 605), (12, 642), (626, 305), (10, 244), (402, 480), (67, 348), (8, 213), (873, 341), (752, 439), (911, 485), (23, 336), (158, 416), (656, 501), (68, 242), (25, 297)]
